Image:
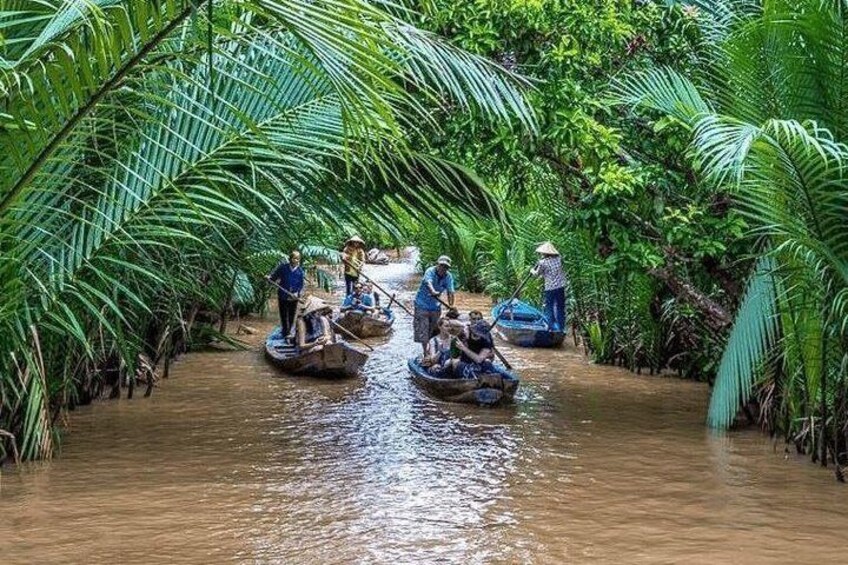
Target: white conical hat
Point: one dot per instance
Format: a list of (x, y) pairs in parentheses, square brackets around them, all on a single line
[(355, 239), (547, 248), (313, 304)]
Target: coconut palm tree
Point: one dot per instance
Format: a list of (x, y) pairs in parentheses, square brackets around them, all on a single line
[(145, 144), (768, 122)]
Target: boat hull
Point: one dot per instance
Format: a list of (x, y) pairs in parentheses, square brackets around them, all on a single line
[(486, 390), (531, 330), (524, 337), (336, 360), (362, 325)]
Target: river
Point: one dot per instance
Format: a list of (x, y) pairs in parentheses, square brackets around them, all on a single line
[(230, 461)]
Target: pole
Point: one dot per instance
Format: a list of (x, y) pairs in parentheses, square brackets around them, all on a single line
[(377, 286), (511, 298), (349, 334)]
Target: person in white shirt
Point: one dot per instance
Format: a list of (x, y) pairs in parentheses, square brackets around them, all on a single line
[(549, 268)]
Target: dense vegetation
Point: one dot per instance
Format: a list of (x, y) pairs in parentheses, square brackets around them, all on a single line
[(153, 150), (687, 160), (767, 118), (655, 256), (705, 229)]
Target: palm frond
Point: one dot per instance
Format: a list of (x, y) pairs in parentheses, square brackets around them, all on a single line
[(754, 333), (664, 90)]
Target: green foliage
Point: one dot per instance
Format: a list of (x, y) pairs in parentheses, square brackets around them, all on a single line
[(768, 125), (156, 165), (754, 334), (615, 194)]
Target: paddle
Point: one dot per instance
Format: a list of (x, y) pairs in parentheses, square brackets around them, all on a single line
[(334, 324), (511, 298), (377, 286), (494, 349), (349, 334)]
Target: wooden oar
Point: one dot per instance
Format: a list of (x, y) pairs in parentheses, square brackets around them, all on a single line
[(377, 286), (499, 355), (334, 324), (511, 298), (349, 334)]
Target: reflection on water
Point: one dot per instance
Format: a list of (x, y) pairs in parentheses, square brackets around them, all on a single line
[(230, 461)]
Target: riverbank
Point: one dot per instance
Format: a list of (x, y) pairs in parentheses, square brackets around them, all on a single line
[(231, 461)]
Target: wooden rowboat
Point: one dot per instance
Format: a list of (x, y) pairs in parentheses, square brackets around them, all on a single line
[(523, 325), (335, 360), (489, 389), (376, 257), (364, 325)]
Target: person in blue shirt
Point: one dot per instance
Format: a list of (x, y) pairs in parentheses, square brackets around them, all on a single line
[(436, 280), (358, 300), (289, 278), (368, 288)]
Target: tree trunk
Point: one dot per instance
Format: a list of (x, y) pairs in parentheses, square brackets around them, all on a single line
[(714, 313)]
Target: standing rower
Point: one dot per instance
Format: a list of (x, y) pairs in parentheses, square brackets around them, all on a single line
[(549, 268), (289, 278), (354, 256), (437, 279)]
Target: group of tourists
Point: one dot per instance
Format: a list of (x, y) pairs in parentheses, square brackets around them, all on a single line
[(362, 299), (307, 322), (463, 350), (450, 347), (459, 349)]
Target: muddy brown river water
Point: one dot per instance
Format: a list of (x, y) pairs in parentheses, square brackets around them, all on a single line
[(230, 461)]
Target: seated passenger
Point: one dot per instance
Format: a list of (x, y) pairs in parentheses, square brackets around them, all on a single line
[(358, 300), (479, 348), (455, 326), (438, 348), (375, 296), (475, 355), (313, 329)]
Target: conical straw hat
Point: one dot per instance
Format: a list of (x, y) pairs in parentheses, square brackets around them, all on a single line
[(547, 248), (313, 304), (355, 239)]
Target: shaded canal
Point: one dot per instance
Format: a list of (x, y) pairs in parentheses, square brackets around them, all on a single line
[(227, 462)]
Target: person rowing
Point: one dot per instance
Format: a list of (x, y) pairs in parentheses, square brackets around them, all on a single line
[(437, 279), (288, 277), (354, 255), (549, 268)]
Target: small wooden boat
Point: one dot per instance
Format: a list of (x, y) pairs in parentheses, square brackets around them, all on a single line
[(364, 325), (488, 389), (523, 325), (376, 257), (335, 360)]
